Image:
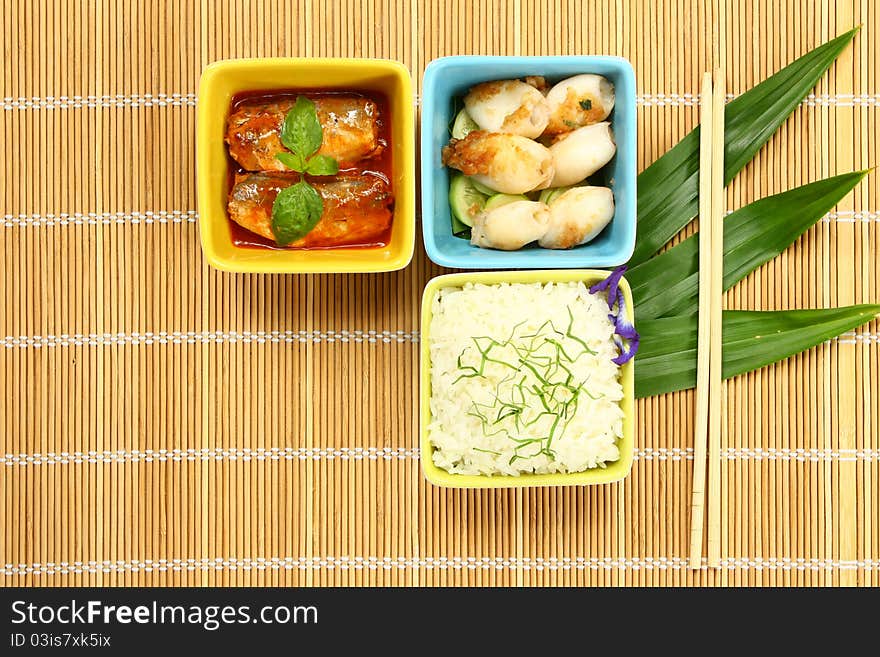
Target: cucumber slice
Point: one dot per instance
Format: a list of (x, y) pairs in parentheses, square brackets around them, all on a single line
[(463, 124), (464, 199), (549, 195), (488, 191), (503, 199)]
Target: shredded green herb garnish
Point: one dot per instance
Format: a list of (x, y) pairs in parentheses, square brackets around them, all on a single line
[(540, 389)]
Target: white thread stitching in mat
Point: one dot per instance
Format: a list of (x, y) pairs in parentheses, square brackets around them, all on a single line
[(399, 453), (192, 217), (216, 454), (865, 337), (100, 218), (428, 563), (263, 337), (852, 217), (81, 102), (134, 101), (812, 100), (205, 337)]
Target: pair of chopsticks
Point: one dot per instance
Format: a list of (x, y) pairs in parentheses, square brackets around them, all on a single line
[(710, 413)]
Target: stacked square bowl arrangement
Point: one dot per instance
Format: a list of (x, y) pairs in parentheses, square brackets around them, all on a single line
[(446, 80)]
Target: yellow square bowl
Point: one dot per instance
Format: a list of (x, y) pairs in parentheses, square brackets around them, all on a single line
[(222, 80), (612, 472)]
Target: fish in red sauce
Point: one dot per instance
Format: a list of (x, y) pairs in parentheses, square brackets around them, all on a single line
[(350, 125), (357, 209)]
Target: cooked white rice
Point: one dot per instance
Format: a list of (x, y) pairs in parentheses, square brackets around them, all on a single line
[(477, 419)]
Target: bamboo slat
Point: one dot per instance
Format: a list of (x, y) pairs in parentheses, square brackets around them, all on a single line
[(155, 434), (704, 344)]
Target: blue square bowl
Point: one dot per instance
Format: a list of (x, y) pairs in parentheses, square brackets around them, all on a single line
[(448, 78)]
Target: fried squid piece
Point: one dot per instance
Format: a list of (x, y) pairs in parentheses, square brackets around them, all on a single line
[(510, 106), (578, 216), (577, 102), (581, 153), (506, 163), (511, 226), (350, 125), (357, 209)]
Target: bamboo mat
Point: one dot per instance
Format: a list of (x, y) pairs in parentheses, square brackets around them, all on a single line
[(166, 424)]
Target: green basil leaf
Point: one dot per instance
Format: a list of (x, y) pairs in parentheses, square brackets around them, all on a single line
[(751, 339), (291, 160), (295, 212), (301, 131), (667, 284), (322, 165), (667, 190)]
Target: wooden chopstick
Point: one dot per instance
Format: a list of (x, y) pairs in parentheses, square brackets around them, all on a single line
[(701, 424), (716, 380)]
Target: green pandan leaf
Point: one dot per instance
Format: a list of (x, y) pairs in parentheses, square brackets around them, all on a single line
[(667, 190), (667, 284), (667, 359)]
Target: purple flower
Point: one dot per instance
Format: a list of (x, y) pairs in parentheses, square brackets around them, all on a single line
[(622, 326), (610, 284), (628, 353)]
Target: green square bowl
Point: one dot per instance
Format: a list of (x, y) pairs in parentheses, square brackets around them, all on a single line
[(439, 477)]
